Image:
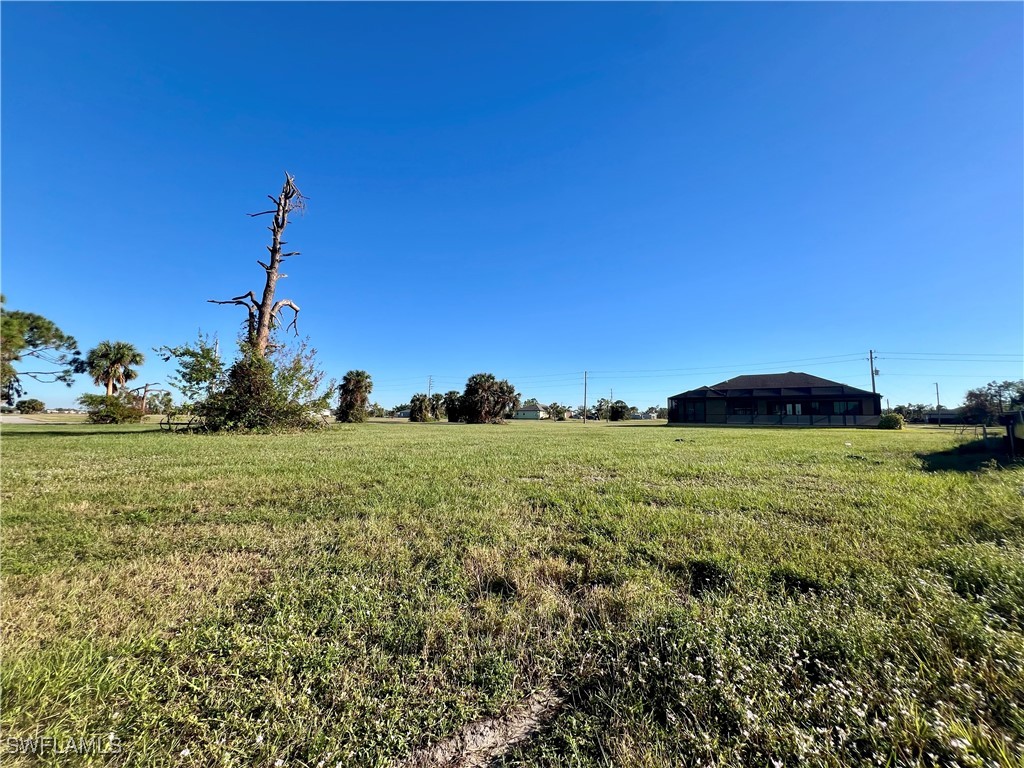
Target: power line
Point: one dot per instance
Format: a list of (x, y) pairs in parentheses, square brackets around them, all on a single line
[(965, 354), (858, 361), (947, 375), (837, 358), (953, 359)]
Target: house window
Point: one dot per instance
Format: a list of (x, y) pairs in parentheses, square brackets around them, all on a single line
[(794, 409), (846, 407)]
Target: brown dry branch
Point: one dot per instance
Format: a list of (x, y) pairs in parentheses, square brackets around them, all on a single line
[(264, 312)]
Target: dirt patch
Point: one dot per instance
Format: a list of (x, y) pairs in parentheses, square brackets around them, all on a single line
[(482, 742)]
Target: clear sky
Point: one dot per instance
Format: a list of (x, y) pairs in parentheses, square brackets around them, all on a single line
[(666, 195)]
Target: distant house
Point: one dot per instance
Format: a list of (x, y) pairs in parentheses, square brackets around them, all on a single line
[(945, 416), (403, 414), (779, 399), (533, 411)]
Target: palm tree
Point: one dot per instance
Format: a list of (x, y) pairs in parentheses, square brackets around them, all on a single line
[(419, 408), (110, 364), (355, 395)]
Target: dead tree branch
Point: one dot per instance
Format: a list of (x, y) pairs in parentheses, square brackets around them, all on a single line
[(263, 312)]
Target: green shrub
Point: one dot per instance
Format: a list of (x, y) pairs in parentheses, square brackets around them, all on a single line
[(891, 421), (252, 400), (103, 409), (30, 406)]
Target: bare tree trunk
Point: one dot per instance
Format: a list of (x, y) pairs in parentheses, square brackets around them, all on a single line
[(263, 313)]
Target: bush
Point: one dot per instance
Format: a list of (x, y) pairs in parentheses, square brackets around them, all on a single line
[(891, 421), (30, 406), (252, 400), (259, 394), (101, 409)]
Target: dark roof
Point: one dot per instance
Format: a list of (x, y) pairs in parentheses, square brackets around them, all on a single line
[(791, 384)]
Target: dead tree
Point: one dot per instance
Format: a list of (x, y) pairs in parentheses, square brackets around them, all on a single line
[(264, 312)]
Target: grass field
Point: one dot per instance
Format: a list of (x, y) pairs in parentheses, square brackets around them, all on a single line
[(687, 596)]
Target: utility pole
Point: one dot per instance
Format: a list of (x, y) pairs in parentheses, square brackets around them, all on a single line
[(584, 398), (871, 360), (938, 403), (430, 385)]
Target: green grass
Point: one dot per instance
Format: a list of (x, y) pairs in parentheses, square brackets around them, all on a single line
[(699, 596)]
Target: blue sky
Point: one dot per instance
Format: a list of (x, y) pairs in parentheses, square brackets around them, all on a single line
[(666, 195)]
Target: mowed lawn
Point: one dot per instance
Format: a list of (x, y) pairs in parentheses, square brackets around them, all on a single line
[(692, 596)]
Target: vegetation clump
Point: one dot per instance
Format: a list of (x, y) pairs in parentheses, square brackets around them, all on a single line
[(31, 405), (891, 421), (354, 399), (26, 337), (419, 408), (261, 394), (486, 400), (111, 409)]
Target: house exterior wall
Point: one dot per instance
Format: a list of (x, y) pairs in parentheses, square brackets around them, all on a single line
[(807, 411), (534, 415)]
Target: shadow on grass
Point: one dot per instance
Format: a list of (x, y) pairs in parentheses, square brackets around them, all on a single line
[(634, 424), (968, 457), (26, 431)]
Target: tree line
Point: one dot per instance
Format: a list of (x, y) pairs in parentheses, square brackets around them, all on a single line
[(271, 383), (982, 405)]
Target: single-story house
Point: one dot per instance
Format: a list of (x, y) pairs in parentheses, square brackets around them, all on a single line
[(945, 416), (777, 399), (403, 414), (532, 411)]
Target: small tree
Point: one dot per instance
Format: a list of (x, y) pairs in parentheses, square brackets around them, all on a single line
[(437, 406), (111, 409), (985, 405), (200, 371), (556, 412), (30, 406), (487, 400), (453, 405), (618, 411), (355, 394), (260, 396), (419, 408)]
